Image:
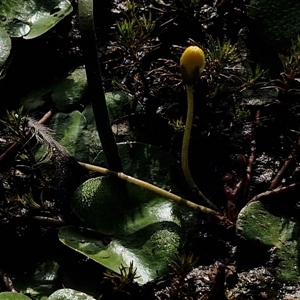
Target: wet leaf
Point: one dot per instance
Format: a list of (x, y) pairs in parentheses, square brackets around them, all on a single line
[(5, 46), (69, 294), (13, 296), (70, 132), (131, 224), (67, 93), (31, 18), (136, 225), (42, 282), (276, 226)]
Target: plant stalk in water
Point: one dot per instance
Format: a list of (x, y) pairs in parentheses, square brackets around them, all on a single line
[(192, 63), (93, 73)]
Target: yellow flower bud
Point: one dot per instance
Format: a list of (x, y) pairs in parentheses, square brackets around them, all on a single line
[(192, 63)]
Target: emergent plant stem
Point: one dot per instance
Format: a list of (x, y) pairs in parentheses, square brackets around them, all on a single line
[(93, 73), (186, 138), (185, 147)]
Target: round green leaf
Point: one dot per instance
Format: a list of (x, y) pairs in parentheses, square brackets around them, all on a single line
[(70, 133), (42, 282), (274, 225), (5, 46), (69, 294), (138, 226), (13, 296), (31, 18), (67, 93), (132, 224)]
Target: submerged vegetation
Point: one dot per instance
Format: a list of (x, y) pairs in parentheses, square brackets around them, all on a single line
[(91, 143)]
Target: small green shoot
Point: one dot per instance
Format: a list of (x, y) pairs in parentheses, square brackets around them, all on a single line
[(133, 32), (120, 281), (183, 264), (289, 84), (178, 125), (220, 54), (291, 62)]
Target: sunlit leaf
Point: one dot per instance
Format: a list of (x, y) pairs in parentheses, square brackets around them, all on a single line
[(131, 224), (5, 46), (13, 296), (274, 225), (69, 294), (31, 18)]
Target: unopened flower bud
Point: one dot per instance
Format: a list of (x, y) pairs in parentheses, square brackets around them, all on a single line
[(192, 63)]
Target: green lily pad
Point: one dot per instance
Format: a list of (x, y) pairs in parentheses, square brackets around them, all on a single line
[(42, 282), (5, 46), (275, 225), (70, 132), (13, 296), (77, 131), (69, 294), (136, 226), (67, 93), (31, 18), (120, 105), (129, 223)]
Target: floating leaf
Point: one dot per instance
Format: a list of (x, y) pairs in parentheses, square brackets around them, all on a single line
[(5, 46), (69, 294), (70, 132), (42, 282), (139, 227), (67, 93), (120, 105), (132, 224), (275, 225), (13, 296), (31, 18)]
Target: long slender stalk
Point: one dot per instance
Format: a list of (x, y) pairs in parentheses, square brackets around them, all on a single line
[(93, 72), (186, 138), (185, 147), (179, 200)]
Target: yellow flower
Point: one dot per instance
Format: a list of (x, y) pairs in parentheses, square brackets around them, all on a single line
[(192, 63)]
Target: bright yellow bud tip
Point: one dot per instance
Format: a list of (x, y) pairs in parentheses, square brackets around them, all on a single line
[(192, 63)]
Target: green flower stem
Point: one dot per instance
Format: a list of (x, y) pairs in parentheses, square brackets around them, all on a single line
[(93, 73), (186, 138), (185, 147), (143, 184)]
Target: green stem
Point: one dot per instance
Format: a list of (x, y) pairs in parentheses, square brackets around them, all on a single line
[(143, 184), (186, 138), (93, 73), (185, 147)]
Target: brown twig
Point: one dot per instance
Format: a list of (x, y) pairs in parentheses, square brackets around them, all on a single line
[(217, 291), (291, 160), (288, 164), (48, 221), (7, 281), (276, 192), (242, 186)]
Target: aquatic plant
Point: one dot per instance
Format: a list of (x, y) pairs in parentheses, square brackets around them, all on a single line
[(192, 63)]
